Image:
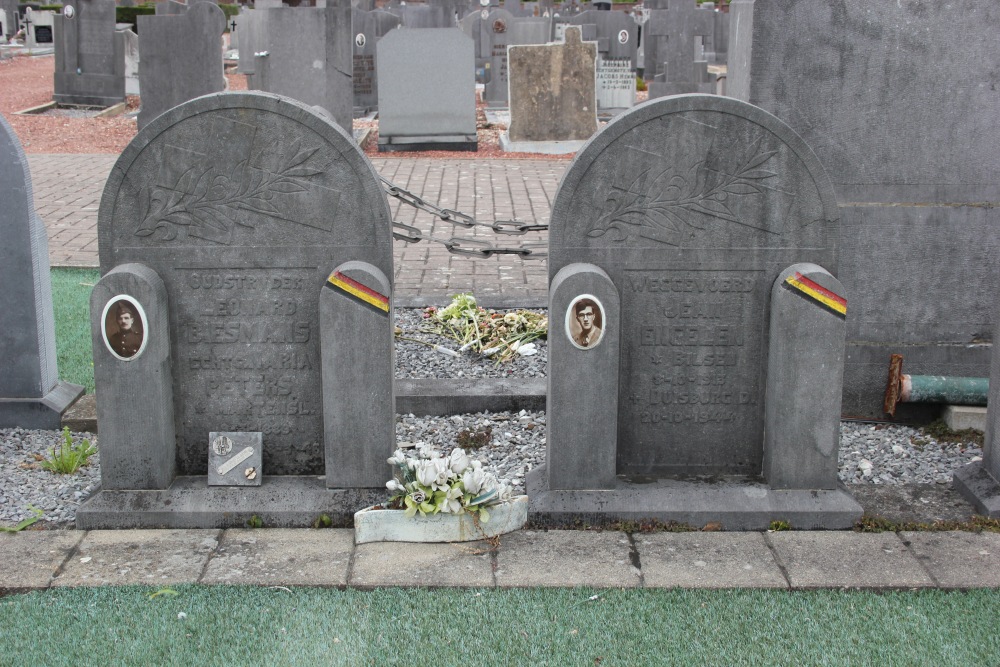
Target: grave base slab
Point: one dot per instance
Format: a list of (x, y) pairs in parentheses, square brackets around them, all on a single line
[(542, 147), (979, 488), (279, 502), (735, 503), (39, 413)]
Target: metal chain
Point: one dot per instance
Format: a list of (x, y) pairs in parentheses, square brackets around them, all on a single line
[(464, 246)]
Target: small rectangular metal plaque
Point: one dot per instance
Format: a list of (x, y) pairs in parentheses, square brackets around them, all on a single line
[(235, 458)]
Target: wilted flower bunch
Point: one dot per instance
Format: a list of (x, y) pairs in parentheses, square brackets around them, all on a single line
[(487, 332), (429, 483)]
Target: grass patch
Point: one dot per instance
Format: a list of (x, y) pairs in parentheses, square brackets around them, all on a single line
[(876, 524), (939, 431), (71, 299), (304, 626)]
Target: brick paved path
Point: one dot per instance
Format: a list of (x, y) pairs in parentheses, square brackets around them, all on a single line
[(67, 192)]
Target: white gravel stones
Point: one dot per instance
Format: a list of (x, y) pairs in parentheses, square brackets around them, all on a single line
[(24, 483)]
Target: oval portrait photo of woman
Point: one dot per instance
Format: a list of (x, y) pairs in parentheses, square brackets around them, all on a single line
[(124, 327), (585, 321)]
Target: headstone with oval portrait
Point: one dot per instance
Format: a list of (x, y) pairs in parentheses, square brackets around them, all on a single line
[(31, 394), (241, 206), (668, 233)]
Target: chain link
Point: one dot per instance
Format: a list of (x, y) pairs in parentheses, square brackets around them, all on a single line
[(464, 246)]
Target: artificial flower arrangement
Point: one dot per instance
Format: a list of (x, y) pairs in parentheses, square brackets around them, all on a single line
[(426, 482)]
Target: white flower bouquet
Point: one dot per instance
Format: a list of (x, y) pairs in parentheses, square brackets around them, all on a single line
[(426, 482)]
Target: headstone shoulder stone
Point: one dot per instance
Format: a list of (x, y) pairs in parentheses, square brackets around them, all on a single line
[(243, 203), (31, 394)]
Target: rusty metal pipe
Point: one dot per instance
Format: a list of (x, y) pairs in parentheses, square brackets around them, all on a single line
[(902, 388)]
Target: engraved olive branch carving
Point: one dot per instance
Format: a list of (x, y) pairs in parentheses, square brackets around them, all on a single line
[(660, 206), (206, 200)]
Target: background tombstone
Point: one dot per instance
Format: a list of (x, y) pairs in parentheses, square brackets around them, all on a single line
[(306, 53), (170, 8), (90, 56), (31, 394), (673, 42), (40, 33), (244, 264), (553, 98), (369, 28), (426, 95), (4, 25), (918, 217), (693, 206), (248, 25), (169, 75), (131, 41), (617, 36), (495, 39)]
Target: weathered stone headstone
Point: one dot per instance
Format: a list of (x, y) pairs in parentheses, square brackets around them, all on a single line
[(306, 53), (243, 206), (691, 212), (90, 55), (672, 40), (31, 394), (170, 8), (918, 217), (131, 62), (552, 92), (248, 26), (616, 36), (369, 28), (426, 94), (169, 75), (494, 42)]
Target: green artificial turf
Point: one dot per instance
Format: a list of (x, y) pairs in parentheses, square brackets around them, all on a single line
[(71, 302), (485, 628)]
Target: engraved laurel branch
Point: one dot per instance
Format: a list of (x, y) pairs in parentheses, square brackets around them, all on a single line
[(660, 207), (204, 198)]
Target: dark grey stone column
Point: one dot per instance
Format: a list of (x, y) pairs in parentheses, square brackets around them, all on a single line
[(355, 314), (31, 395), (132, 371), (582, 411), (805, 376)]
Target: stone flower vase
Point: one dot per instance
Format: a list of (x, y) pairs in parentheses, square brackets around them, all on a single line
[(382, 525)]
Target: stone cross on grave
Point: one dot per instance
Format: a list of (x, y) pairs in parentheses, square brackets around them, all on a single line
[(672, 30), (232, 26)]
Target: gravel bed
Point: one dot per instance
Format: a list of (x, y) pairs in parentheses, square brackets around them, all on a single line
[(419, 360), (869, 454)]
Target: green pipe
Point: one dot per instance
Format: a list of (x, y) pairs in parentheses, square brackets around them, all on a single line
[(941, 389)]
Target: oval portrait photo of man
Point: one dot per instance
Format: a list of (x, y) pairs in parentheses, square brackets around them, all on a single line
[(585, 321), (124, 327)]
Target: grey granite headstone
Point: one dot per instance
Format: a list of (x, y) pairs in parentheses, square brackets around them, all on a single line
[(552, 91), (693, 206), (672, 38), (235, 459), (40, 33), (617, 35), (369, 28), (495, 40), (427, 92), (90, 55), (308, 56), (169, 74), (248, 25), (895, 107), (244, 203), (170, 8), (31, 394)]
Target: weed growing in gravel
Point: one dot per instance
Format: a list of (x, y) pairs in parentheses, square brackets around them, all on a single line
[(36, 514), (67, 458)]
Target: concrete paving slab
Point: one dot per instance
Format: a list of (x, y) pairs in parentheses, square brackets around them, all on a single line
[(29, 559), (847, 560), (153, 557), (708, 560), (566, 558), (379, 564), (958, 559), (281, 557)]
